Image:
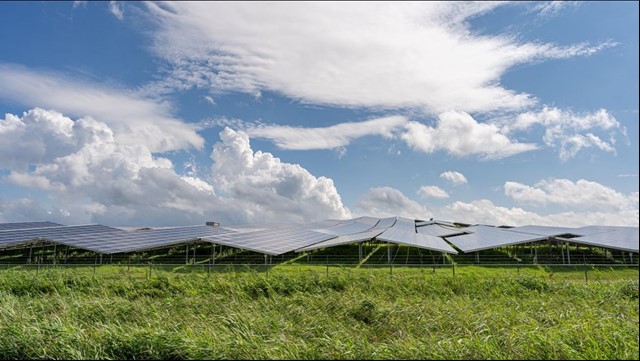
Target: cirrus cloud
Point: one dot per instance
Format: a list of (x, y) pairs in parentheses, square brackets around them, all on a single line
[(382, 54)]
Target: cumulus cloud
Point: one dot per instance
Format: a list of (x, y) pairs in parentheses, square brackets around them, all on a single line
[(389, 202), (455, 178), (570, 132), (581, 194), (459, 134), (420, 55), (81, 164), (98, 179), (268, 189), (432, 192), (133, 119), (486, 212)]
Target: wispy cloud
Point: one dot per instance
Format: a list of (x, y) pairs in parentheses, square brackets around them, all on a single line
[(456, 133), (115, 7), (331, 137), (391, 55), (134, 119)]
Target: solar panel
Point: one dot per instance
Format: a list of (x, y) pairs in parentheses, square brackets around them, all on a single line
[(27, 225), (139, 240), (272, 242), (486, 237), (353, 226), (404, 232), (620, 238), (342, 240), (20, 236), (544, 230), (437, 230), (592, 230)]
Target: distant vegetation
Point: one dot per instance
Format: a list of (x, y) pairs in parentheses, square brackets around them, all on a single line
[(298, 312)]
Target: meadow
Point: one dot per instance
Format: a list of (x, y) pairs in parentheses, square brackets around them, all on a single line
[(306, 312)]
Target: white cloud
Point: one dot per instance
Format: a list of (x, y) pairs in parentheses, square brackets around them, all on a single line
[(459, 134), (419, 55), (115, 7), (386, 201), (95, 177), (582, 194), (485, 212), (98, 179), (568, 131), (133, 119), (389, 202), (331, 137), (268, 189), (455, 178), (456, 132), (432, 192), (551, 8)]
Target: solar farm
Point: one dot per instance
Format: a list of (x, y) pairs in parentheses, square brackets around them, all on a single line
[(363, 288), (362, 241)]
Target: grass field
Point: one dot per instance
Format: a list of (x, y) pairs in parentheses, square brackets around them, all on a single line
[(298, 312)]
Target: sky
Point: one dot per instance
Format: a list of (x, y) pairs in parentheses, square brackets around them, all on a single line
[(168, 114)]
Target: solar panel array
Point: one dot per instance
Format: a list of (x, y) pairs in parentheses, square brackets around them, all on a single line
[(279, 238)]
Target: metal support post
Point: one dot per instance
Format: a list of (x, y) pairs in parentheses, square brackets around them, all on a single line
[(388, 253), (568, 254), (478, 257), (186, 255), (359, 252)]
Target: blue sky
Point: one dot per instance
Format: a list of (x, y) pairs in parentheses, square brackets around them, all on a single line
[(131, 113)]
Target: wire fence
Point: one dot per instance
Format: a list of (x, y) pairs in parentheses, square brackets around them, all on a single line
[(142, 270)]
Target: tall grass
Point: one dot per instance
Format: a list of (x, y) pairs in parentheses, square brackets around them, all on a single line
[(300, 313)]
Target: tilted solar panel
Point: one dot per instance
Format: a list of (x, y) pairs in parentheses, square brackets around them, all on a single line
[(342, 240), (620, 238), (437, 230), (272, 242), (27, 225), (19, 236), (404, 232), (544, 230), (486, 237)]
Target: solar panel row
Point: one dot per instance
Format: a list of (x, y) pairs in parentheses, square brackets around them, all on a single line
[(276, 239), (27, 225)]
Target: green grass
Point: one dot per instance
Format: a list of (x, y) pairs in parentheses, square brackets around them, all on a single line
[(297, 312)]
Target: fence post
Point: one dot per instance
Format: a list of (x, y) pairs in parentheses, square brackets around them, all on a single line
[(453, 267), (586, 277)]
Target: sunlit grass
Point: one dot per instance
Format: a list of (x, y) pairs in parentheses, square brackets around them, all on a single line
[(303, 312)]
